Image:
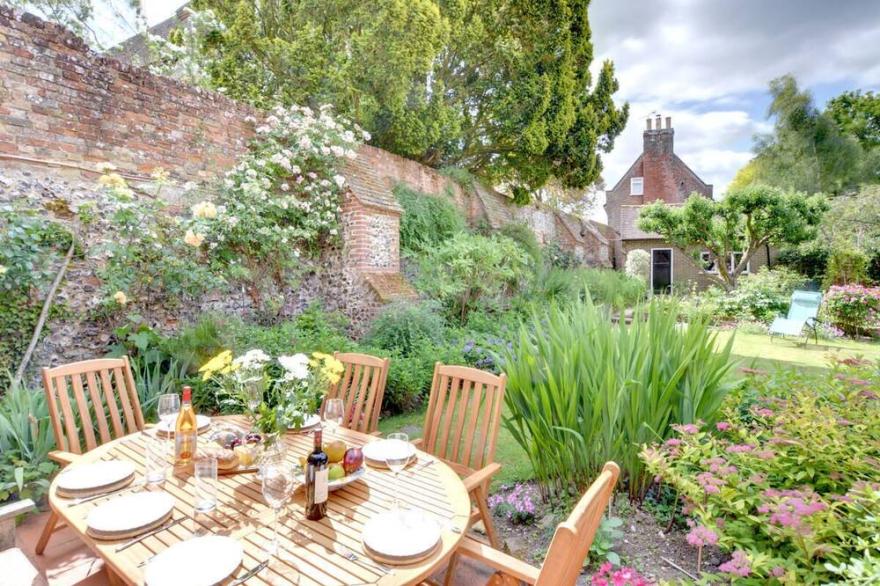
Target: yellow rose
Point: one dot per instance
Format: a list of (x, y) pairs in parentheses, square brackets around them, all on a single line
[(204, 209), (194, 239), (120, 298)]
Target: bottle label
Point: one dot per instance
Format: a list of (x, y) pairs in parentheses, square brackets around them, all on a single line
[(185, 445), (321, 479)]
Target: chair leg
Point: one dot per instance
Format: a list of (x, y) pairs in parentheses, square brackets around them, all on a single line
[(486, 516), (47, 533), (449, 578)]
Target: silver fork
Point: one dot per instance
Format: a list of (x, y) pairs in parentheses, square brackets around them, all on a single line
[(353, 557)]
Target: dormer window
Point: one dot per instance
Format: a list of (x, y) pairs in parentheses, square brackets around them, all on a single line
[(637, 186)]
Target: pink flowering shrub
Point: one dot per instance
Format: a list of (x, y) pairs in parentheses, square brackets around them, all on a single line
[(788, 481), (517, 504), (608, 576), (853, 308)]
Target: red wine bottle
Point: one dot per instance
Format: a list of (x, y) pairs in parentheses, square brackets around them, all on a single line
[(317, 469)]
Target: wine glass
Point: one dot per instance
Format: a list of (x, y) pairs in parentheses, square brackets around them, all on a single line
[(278, 483), (253, 392), (398, 454), (334, 411), (168, 408)]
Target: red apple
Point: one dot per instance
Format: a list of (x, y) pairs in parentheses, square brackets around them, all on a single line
[(353, 460)]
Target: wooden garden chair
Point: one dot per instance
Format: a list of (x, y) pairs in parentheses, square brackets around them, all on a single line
[(85, 398), (361, 388), (568, 550), (461, 426)]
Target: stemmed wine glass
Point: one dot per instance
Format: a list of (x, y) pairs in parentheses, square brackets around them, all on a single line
[(278, 483), (398, 455), (253, 394), (168, 408), (334, 412)]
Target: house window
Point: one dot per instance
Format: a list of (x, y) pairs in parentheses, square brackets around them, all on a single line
[(708, 264), (637, 186)]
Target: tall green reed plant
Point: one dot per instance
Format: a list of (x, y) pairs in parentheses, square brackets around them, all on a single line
[(582, 390)]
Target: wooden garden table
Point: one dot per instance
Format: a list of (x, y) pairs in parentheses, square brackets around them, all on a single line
[(312, 553)]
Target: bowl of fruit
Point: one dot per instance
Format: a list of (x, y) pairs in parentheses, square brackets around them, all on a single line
[(346, 464), (242, 447)]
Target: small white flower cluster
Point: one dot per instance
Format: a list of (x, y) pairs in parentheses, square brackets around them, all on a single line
[(284, 195), (252, 360), (295, 367)]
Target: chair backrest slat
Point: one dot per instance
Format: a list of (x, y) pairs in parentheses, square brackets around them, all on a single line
[(110, 375), (573, 538), (361, 388), (464, 414)]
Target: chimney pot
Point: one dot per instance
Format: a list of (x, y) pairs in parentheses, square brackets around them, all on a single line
[(648, 120), (659, 123), (669, 122)]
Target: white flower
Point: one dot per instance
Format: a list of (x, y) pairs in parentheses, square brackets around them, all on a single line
[(285, 187), (263, 129), (295, 170), (296, 366), (189, 186), (105, 167), (339, 180), (305, 142), (337, 151), (366, 135), (3, 270), (120, 298), (204, 209), (252, 359), (194, 239)]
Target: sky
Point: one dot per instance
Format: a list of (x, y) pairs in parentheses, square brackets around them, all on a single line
[(707, 64)]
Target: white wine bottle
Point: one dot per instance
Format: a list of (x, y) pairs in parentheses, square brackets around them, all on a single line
[(185, 431)]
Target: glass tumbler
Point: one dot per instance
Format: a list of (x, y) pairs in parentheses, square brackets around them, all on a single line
[(206, 485), (156, 464)]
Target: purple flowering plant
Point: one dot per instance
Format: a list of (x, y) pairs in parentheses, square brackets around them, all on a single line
[(854, 309), (787, 482), (516, 504)]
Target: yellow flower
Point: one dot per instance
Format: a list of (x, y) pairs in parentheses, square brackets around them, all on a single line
[(159, 174), (330, 367), (194, 239), (113, 180), (222, 364), (204, 209), (120, 298), (105, 167)]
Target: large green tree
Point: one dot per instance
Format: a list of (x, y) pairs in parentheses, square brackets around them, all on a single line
[(737, 226), (807, 150), (501, 87), (858, 114)]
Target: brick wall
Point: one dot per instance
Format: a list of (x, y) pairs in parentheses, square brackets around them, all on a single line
[(63, 102)]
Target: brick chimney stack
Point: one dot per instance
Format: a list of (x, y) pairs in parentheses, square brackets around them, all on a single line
[(658, 161)]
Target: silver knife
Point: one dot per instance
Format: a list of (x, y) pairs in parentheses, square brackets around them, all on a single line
[(251, 573), (87, 499), (140, 538)]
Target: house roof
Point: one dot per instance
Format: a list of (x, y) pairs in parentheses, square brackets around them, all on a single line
[(367, 186), (134, 49), (573, 224), (496, 205), (629, 230)]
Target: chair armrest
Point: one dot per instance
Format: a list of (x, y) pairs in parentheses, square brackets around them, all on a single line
[(62, 457), (417, 442), (17, 508), (498, 560), (376, 433), (481, 476)]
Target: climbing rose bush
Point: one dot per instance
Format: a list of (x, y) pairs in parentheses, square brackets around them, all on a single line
[(853, 308), (788, 482), (282, 200)]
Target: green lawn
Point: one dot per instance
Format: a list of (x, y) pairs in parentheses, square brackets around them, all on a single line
[(760, 351), (752, 350)]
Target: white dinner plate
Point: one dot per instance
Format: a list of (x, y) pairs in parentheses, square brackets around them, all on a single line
[(130, 512), (401, 534), (310, 422), (95, 475), (380, 451), (166, 426), (201, 561)]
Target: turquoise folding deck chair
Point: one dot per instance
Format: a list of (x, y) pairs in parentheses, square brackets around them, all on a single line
[(801, 314)]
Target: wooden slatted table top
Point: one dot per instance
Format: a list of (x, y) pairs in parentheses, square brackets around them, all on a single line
[(326, 553)]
